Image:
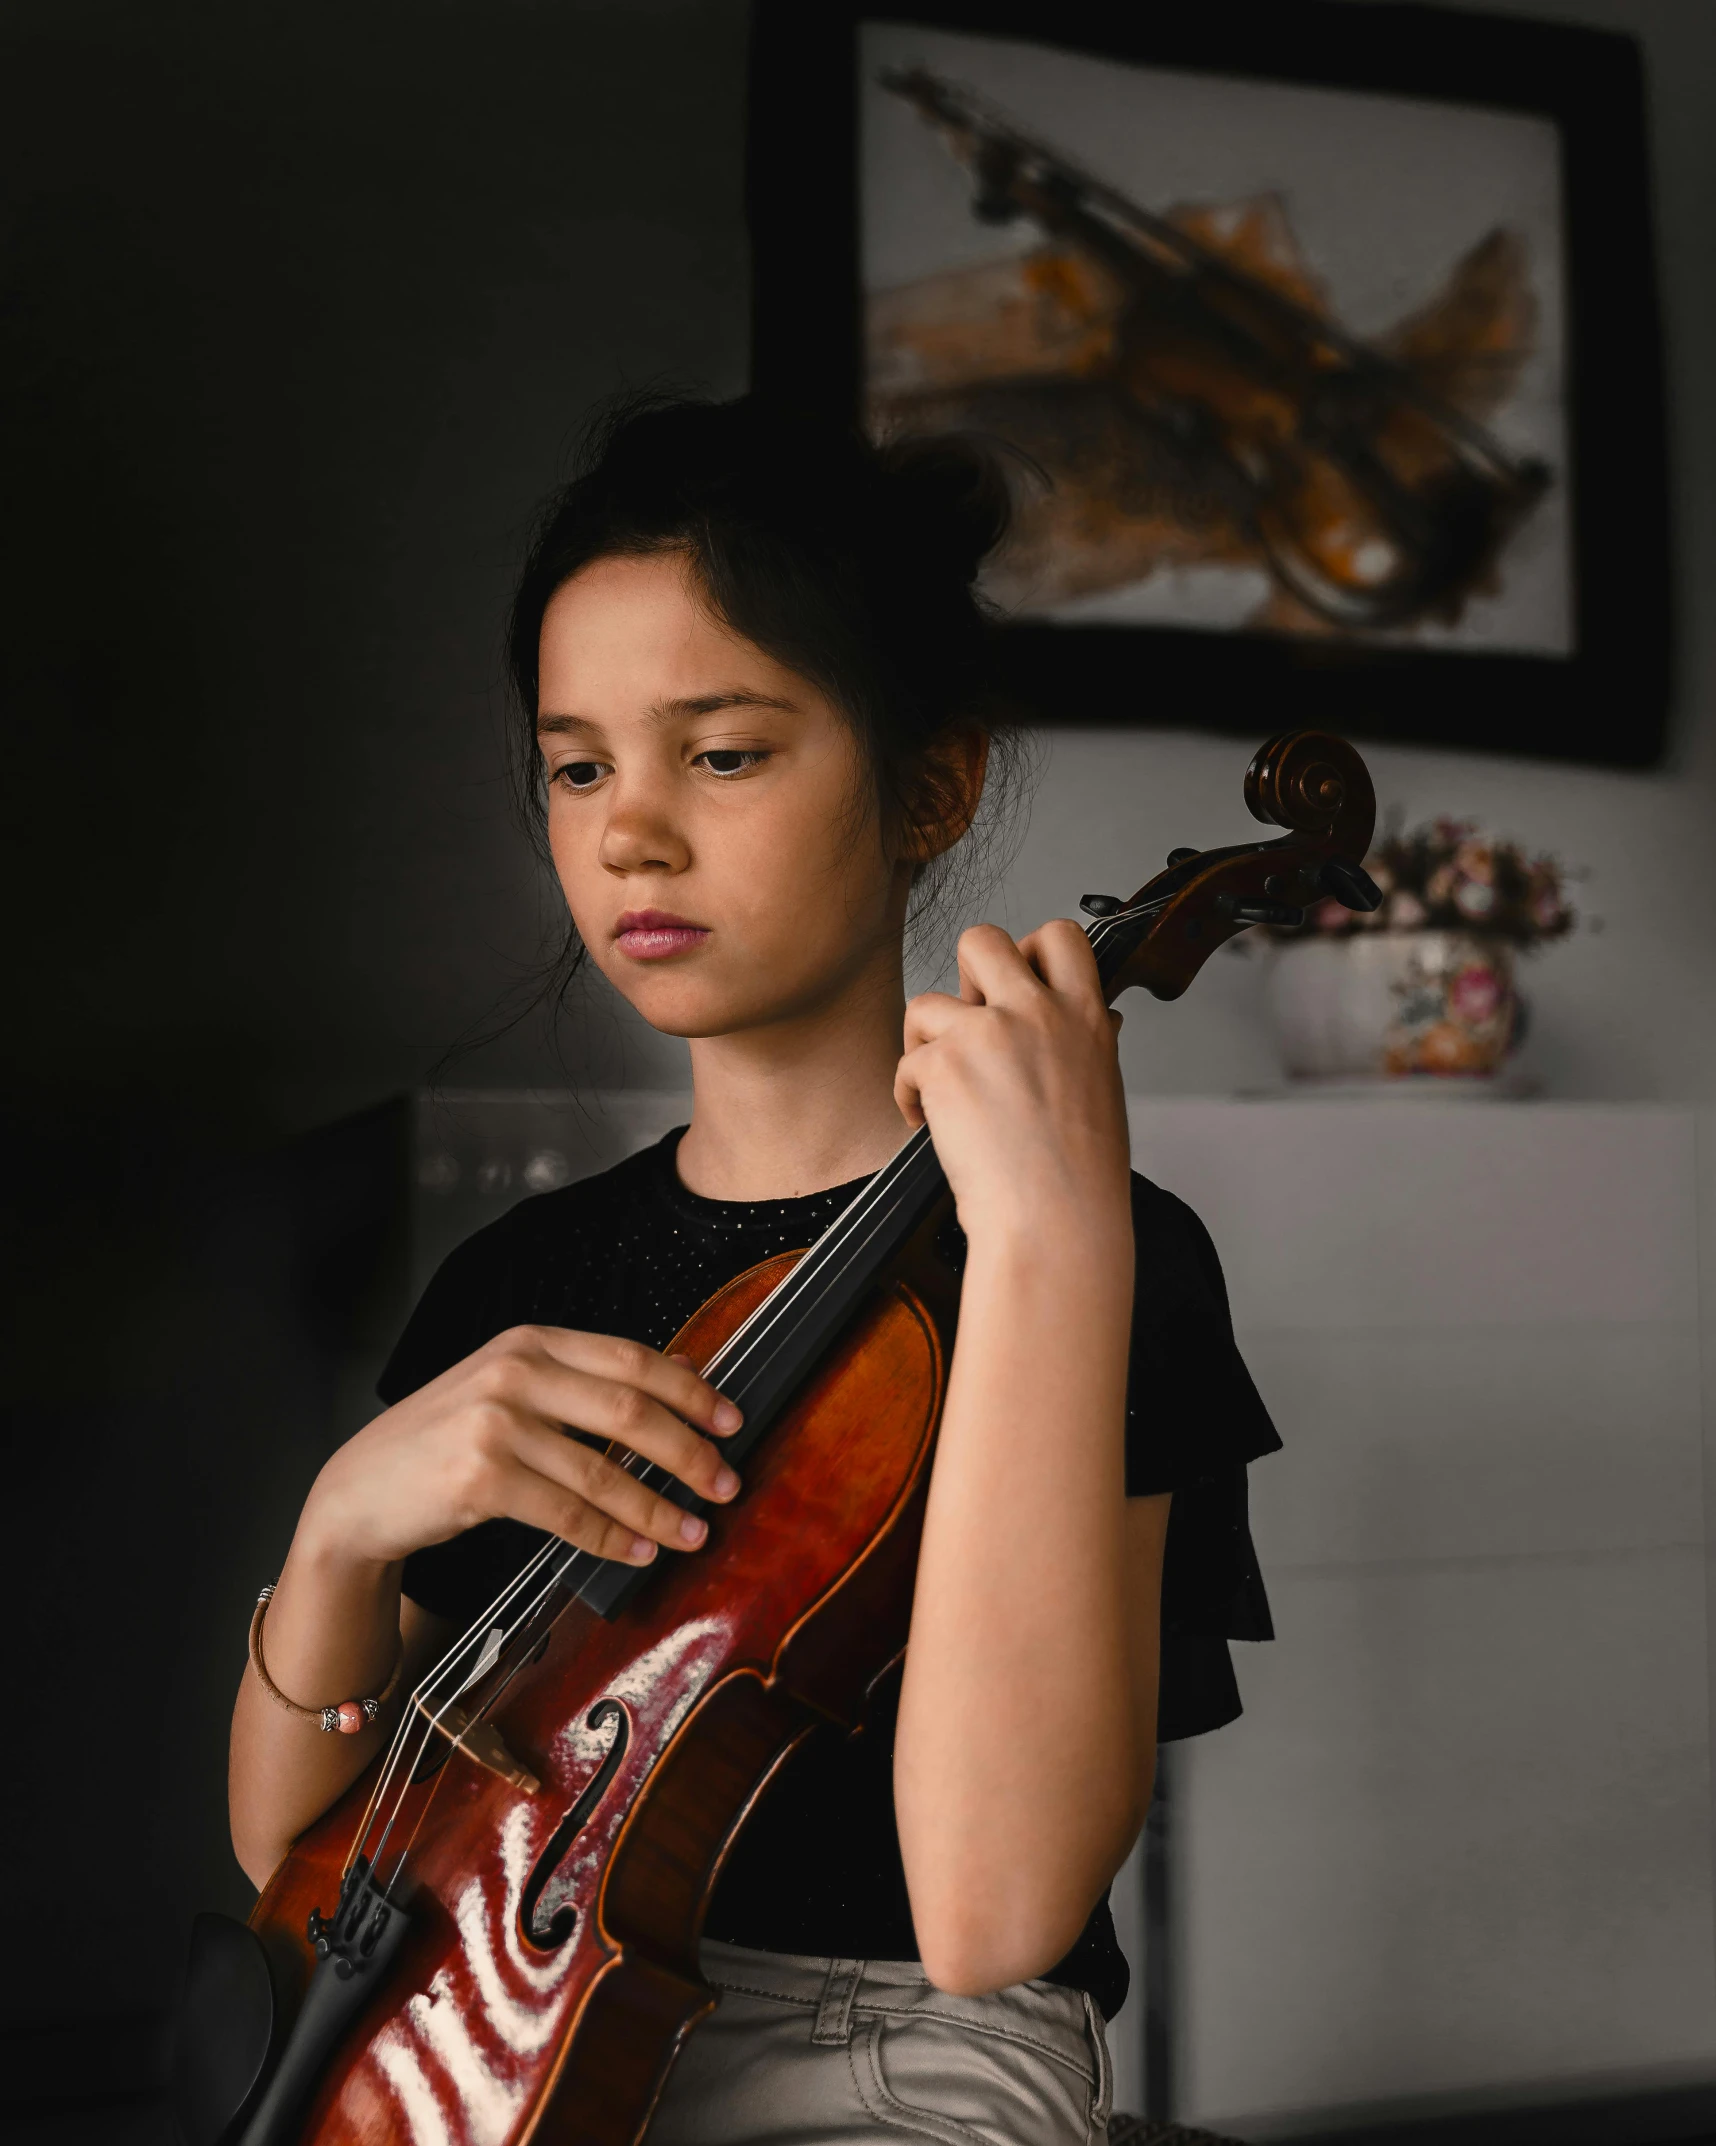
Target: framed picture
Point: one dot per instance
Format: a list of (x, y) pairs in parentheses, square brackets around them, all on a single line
[(1320, 338)]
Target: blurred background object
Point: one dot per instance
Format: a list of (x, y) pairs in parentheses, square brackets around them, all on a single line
[(299, 315), (1421, 990)]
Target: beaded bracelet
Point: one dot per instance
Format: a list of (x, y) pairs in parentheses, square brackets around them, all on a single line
[(350, 1715)]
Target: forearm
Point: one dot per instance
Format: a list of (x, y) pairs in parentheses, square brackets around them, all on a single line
[(332, 1633), (1022, 1766)]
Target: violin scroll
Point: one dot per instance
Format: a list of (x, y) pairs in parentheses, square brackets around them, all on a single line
[(1318, 786), (1313, 784)]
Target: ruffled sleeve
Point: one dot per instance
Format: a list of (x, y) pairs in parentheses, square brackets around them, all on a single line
[(1194, 1421)]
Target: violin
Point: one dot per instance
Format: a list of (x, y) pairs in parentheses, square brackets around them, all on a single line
[(493, 1937)]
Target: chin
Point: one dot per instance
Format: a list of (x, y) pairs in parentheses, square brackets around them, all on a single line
[(686, 1007)]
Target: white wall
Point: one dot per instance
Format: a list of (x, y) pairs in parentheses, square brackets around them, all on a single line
[(1458, 1849)]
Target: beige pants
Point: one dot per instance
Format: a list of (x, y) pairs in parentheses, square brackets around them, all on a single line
[(803, 2052)]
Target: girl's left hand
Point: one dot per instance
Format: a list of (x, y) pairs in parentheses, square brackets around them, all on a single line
[(1019, 1081)]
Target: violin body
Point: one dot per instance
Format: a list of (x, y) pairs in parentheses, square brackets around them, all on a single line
[(677, 1712)]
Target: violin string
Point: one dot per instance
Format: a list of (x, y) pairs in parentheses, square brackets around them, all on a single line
[(816, 1265), (433, 1728), (431, 1724), (490, 1700), (422, 1693)]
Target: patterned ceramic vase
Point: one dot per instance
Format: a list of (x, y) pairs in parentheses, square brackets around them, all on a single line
[(1394, 1004)]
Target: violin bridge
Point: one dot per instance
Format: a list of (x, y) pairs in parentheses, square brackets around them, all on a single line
[(482, 1741)]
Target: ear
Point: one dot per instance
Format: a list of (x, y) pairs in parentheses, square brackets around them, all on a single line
[(949, 791)]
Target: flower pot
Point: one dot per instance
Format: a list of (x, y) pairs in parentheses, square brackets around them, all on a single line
[(1394, 1005)]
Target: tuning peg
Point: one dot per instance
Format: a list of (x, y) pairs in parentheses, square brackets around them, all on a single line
[(1182, 856), (1101, 905), (1279, 913), (1350, 884)]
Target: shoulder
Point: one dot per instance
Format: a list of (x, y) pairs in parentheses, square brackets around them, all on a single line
[(1176, 1256)]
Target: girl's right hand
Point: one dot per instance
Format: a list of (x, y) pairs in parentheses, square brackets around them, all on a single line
[(488, 1440)]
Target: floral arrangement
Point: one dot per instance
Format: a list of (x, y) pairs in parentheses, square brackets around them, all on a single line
[(1447, 876)]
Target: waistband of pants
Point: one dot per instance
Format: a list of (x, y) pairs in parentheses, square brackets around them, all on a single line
[(1062, 2024)]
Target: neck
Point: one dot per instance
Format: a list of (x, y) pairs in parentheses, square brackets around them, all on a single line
[(804, 1103)]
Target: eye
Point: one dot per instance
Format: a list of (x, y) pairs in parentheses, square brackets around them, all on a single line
[(580, 774), (727, 764)]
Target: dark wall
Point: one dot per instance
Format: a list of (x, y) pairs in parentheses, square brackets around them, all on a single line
[(301, 308)]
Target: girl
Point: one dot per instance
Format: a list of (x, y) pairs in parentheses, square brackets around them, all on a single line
[(754, 677)]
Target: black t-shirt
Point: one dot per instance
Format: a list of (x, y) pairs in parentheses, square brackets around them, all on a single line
[(817, 1867)]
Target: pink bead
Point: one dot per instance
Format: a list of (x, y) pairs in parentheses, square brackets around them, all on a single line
[(351, 1718)]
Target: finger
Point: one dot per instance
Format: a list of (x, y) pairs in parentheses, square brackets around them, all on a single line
[(932, 1014), (527, 1383), (1064, 958), (603, 1483), (673, 1381), (992, 970), (555, 1396), (540, 1501), (908, 1099)]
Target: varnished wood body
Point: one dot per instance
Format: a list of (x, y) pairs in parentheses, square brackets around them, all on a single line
[(797, 1602)]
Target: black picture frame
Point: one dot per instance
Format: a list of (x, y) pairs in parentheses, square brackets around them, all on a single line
[(1607, 702)]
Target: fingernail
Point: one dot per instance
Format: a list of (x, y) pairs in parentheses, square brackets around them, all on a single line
[(692, 1529), (726, 1482), (726, 1416), (642, 1549)]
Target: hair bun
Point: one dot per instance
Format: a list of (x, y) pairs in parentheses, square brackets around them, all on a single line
[(956, 495)]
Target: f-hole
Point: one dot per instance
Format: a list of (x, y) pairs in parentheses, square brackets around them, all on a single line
[(540, 1892)]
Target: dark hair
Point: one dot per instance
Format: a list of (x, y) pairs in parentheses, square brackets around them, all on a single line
[(852, 564)]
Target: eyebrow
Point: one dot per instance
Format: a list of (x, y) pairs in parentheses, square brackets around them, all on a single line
[(672, 711)]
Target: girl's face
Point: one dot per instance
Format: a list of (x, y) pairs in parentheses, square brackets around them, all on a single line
[(712, 820)]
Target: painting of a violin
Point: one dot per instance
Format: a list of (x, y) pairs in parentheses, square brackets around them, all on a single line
[(1181, 380)]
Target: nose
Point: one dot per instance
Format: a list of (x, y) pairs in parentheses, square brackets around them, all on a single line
[(640, 836)]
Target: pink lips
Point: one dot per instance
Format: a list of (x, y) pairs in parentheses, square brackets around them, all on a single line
[(653, 935)]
